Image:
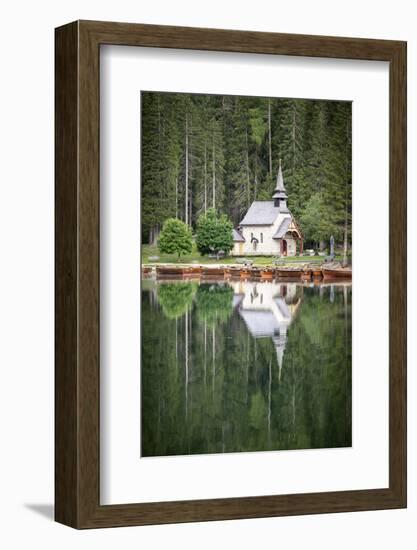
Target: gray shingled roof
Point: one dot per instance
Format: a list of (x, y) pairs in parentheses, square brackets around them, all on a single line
[(282, 229), (238, 237), (261, 213), (260, 323), (263, 323)]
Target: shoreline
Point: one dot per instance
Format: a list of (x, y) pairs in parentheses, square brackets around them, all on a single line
[(307, 273)]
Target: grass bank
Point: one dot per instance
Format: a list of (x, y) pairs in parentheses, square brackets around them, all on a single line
[(150, 253)]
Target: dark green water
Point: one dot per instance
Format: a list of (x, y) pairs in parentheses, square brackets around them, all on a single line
[(245, 366)]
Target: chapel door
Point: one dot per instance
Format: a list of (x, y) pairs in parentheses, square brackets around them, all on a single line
[(284, 247)]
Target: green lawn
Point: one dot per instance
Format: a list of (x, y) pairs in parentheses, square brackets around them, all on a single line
[(196, 258)]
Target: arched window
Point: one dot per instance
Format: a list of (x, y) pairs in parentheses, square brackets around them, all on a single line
[(262, 237)]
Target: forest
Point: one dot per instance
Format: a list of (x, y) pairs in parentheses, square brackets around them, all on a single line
[(203, 151)]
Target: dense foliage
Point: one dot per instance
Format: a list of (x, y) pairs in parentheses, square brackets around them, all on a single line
[(176, 298), (214, 233), (210, 151), (214, 303), (175, 238)]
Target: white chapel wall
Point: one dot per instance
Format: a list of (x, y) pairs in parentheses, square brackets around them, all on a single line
[(266, 246)]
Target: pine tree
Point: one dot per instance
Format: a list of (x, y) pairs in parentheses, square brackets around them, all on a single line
[(151, 167), (237, 176), (205, 151)]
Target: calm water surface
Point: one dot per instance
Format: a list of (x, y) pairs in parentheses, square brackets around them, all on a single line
[(245, 366)]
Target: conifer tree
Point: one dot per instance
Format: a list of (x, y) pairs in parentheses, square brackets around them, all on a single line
[(205, 151)]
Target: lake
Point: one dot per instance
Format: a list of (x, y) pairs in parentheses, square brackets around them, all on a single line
[(245, 366)]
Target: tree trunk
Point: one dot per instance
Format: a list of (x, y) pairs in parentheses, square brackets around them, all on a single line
[(176, 197), (214, 173), (345, 238), (269, 400), (293, 140), (247, 366), (205, 177), (186, 363), (205, 352), (247, 172), (153, 235), (186, 168), (162, 195), (345, 232), (255, 189), (345, 307), (270, 137), (190, 216), (176, 341), (190, 359), (213, 365)]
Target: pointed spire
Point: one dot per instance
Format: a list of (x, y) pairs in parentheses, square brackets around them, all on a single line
[(279, 191), (280, 179)]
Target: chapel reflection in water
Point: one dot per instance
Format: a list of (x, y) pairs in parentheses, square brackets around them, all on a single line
[(244, 366), (268, 310)]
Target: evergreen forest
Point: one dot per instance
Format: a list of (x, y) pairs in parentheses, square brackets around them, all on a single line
[(223, 152)]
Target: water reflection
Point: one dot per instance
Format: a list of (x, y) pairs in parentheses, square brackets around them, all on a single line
[(268, 310), (245, 366)]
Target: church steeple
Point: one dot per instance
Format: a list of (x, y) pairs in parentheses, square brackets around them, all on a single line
[(280, 196)]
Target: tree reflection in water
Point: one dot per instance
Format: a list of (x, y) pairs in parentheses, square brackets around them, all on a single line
[(245, 366)]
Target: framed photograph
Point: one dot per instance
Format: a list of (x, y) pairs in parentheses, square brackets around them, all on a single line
[(230, 274)]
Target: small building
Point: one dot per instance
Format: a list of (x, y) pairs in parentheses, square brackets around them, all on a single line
[(268, 228)]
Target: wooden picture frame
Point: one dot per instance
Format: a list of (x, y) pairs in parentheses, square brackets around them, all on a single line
[(77, 374)]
